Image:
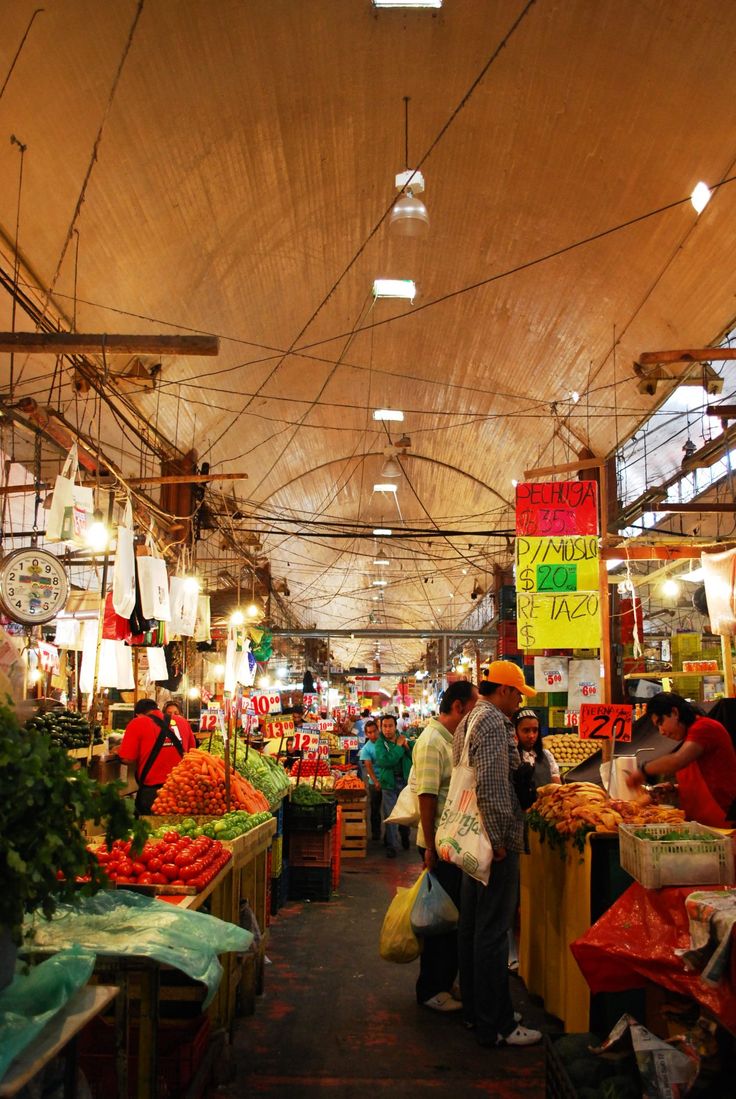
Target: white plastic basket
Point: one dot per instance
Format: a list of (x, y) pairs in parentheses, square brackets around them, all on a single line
[(705, 859)]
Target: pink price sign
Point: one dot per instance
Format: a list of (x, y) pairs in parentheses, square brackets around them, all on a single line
[(277, 728), (605, 721)]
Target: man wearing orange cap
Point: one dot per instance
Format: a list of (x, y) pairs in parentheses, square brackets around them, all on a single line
[(487, 911)]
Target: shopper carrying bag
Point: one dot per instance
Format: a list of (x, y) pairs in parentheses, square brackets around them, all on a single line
[(461, 836)]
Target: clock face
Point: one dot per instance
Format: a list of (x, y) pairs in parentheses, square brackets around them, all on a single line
[(33, 586)]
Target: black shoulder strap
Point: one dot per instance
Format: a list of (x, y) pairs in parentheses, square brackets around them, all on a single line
[(160, 742)]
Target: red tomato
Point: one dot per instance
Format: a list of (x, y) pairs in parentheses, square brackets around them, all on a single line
[(187, 872), (138, 868), (198, 883), (154, 864), (171, 837), (170, 870), (182, 858), (159, 879), (103, 857), (145, 879), (177, 881), (125, 867)]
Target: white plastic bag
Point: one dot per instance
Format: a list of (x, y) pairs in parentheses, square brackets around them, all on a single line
[(434, 911), (157, 669), (202, 629), (115, 666), (154, 585), (461, 836), (123, 582), (184, 600), (71, 505), (406, 809)]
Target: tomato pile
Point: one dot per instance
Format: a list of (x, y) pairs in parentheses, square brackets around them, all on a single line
[(307, 768), (172, 860)]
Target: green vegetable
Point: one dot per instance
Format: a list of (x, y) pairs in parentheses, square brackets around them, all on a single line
[(305, 794)]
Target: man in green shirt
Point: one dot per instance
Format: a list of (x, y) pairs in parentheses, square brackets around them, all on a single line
[(391, 766), (432, 771)]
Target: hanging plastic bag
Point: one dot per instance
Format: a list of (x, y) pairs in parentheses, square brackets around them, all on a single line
[(461, 836), (406, 809), (202, 628), (184, 600), (154, 585), (434, 911), (157, 668), (71, 504), (114, 628), (123, 581), (115, 666), (398, 943)]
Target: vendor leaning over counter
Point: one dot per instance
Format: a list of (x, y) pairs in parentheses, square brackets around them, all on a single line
[(704, 760), (154, 745)]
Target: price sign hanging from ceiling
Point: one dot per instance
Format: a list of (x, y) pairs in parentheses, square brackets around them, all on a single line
[(550, 509)]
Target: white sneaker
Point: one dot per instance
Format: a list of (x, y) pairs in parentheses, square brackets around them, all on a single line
[(522, 1036), (443, 1001)]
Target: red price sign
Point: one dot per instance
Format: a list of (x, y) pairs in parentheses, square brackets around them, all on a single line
[(552, 678), (352, 709), (305, 741), (700, 667), (210, 721), (604, 721), (349, 743), (267, 703), (309, 702), (325, 726), (554, 509), (278, 728)]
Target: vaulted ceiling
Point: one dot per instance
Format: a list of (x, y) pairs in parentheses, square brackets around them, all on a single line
[(227, 168)]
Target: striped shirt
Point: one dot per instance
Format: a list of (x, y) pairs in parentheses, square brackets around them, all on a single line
[(432, 760), (494, 755)]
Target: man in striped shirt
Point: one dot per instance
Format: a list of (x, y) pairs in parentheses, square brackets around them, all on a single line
[(487, 911), (432, 761)]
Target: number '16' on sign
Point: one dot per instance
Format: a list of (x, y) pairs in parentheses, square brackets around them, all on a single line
[(605, 721)]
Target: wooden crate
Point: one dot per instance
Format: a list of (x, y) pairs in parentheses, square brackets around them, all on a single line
[(354, 831)]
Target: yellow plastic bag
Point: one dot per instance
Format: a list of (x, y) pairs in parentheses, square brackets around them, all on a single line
[(398, 943)]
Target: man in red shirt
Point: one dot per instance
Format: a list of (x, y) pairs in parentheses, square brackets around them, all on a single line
[(154, 747), (180, 724)]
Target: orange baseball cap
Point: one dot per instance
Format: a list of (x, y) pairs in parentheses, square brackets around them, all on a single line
[(509, 675)]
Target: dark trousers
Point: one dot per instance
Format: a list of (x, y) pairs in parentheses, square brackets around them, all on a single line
[(438, 960), (486, 914), (144, 799), (376, 800)]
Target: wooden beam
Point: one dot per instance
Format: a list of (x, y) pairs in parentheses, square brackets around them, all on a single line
[(569, 467), (187, 478), (723, 411), (10, 490), (696, 508), (688, 355), (635, 552), (72, 343)]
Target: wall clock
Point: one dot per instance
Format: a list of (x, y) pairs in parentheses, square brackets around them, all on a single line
[(33, 586)]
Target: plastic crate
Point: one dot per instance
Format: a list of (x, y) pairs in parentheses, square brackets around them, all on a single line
[(706, 859), (310, 848), (557, 1083), (311, 818), (310, 883), (181, 1048)]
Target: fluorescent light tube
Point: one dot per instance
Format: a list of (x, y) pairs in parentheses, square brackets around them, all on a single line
[(394, 288), (385, 486), (380, 583), (388, 414), (407, 3), (382, 532)]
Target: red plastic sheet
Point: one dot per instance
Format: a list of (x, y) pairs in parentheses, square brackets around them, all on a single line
[(635, 941)]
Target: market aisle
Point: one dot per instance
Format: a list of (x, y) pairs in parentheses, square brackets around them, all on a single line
[(336, 1020)]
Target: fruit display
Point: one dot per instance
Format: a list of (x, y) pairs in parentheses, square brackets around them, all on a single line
[(569, 750), (197, 786), (67, 728), (349, 782), (263, 772), (308, 768), (569, 812), (228, 827), (173, 860)]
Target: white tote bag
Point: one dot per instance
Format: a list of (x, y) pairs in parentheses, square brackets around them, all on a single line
[(461, 836), (406, 809), (157, 669), (154, 585), (184, 600), (71, 505), (123, 581), (203, 625)]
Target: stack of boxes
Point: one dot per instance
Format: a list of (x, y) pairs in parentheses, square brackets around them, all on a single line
[(507, 647), (310, 839)]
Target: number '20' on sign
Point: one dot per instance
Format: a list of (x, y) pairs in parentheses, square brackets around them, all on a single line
[(605, 721)]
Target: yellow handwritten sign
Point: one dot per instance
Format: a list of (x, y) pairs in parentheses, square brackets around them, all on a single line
[(556, 564), (561, 621)]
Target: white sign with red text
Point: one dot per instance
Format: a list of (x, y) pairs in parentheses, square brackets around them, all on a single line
[(550, 673), (584, 683), (210, 721), (269, 702)]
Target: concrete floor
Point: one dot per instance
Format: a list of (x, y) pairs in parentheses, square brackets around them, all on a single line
[(336, 1020)]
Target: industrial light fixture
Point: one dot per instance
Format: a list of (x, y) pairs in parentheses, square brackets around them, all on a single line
[(574, 396), (477, 591), (407, 4), (382, 532), (380, 583), (701, 196), (391, 469), (388, 414), (264, 682), (191, 584), (670, 589), (381, 557), (219, 671), (98, 535), (409, 217), (386, 486), (253, 610), (237, 618), (395, 288), (193, 692)]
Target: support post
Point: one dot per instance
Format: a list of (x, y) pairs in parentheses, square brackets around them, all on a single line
[(727, 666)]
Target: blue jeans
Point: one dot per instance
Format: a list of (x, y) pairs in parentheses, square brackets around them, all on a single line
[(392, 832), (486, 914)]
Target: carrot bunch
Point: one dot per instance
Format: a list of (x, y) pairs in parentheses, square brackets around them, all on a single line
[(349, 782), (197, 786)]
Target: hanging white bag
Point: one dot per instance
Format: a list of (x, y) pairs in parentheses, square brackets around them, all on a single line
[(71, 504), (157, 669), (406, 809), (203, 626), (184, 600), (123, 581), (461, 836), (153, 581)]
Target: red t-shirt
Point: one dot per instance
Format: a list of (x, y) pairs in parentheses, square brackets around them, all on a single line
[(138, 741), (718, 762)]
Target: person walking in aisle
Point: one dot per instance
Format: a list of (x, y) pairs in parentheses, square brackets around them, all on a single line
[(432, 762), (487, 911), (367, 758), (392, 766)]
